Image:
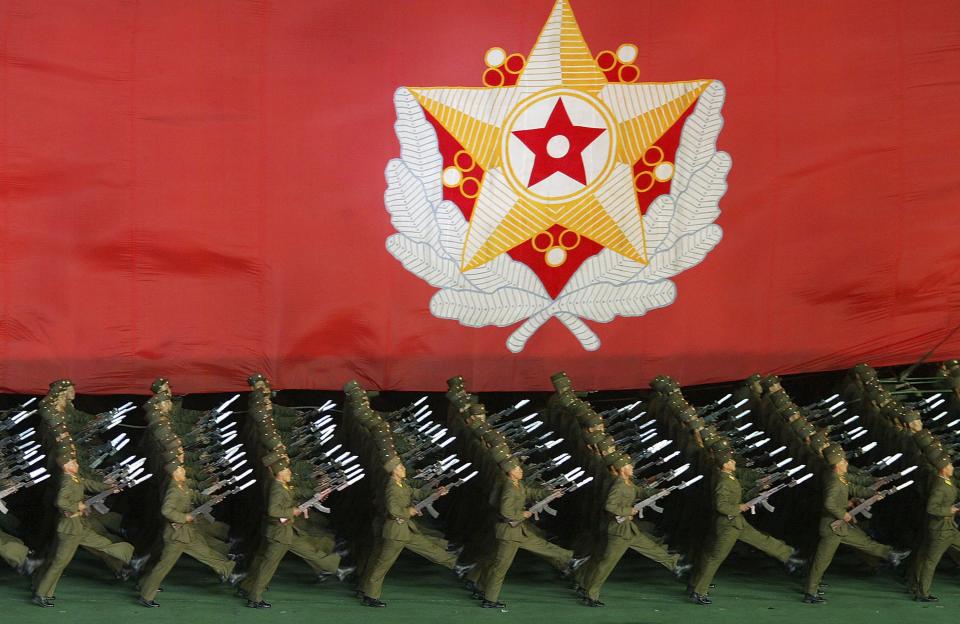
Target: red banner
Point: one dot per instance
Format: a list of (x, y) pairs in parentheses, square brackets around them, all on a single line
[(399, 192)]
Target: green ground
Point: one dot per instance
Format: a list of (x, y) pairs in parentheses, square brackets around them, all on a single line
[(417, 591)]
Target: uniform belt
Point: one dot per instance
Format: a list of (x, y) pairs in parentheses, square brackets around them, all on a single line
[(513, 523), (396, 519)]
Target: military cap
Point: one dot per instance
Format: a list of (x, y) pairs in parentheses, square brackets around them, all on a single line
[(391, 464), (456, 380), (834, 455), (619, 460), (158, 384), (770, 381), (558, 376), (477, 409), (752, 379), (908, 415), (282, 462), (509, 464), (941, 461), (819, 440), (256, 377), (171, 467), (696, 424), (722, 456), (274, 456)]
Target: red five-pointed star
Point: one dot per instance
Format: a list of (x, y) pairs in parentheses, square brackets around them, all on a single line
[(558, 146)]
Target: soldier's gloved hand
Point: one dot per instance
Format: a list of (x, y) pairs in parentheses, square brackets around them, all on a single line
[(442, 491), (849, 519), (415, 512), (527, 514), (188, 519)]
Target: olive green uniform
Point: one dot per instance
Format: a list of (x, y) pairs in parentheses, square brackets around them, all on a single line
[(399, 532), (281, 537), (942, 530), (12, 550), (836, 495), (730, 527), (513, 532), (74, 530), (624, 532), (180, 536)]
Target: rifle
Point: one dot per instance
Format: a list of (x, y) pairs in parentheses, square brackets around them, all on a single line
[(27, 460), (112, 447), (315, 502), (436, 469), (614, 415), (226, 482), (18, 408), (22, 482), (408, 409), (864, 507), (20, 437), (709, 407), (761, 499), (9, 423), (536, 470), (427, 503), (126, 481), (863, 450), (658, 462), (715, 415), (206, 510), (821, 402), (505, 413), (658, 480), (517, 424), (537, 448), (215, 415), (651, 501), (889, 460), (104, 422), (543, 505), (882, 481)]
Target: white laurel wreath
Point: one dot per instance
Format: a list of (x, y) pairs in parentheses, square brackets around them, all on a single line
[(679, 228)]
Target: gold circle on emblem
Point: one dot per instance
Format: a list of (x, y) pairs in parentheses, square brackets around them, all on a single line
[(472, 193), (568, 245), (542, 248), (646, 184), (653, 156), (511, 63), (628, 73), (606, 60), (463, 161), (519, 112), (493, 77)]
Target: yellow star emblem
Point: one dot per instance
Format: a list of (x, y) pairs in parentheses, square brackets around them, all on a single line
[(560, 72)]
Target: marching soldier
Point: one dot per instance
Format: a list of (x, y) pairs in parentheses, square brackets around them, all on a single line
[(730, 527), (837, 526), (180, 536), (624, 532), (281, 537), (74, 531), (400, 531), (942, 530), (512, 533)]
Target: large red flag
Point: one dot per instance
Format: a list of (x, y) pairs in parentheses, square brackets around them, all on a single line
[(402, 191)]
